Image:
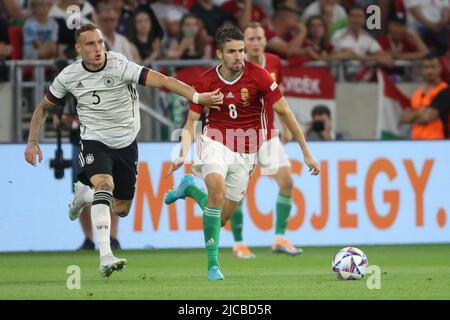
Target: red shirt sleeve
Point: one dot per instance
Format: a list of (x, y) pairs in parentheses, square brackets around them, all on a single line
[(384, 43), (269, 88), (199, 87)]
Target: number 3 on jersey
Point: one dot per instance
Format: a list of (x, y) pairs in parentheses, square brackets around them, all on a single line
[(233, 111)]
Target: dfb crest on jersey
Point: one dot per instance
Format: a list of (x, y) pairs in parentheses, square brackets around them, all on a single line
[(89, 158), (108, 80)]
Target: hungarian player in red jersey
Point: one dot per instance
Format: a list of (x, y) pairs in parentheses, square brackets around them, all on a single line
[(227, 150), (271, 156)]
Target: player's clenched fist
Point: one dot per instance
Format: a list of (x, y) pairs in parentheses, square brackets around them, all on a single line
[(31, 151)]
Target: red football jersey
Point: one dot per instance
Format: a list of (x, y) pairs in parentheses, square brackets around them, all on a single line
[(272, 63), (241, 122)]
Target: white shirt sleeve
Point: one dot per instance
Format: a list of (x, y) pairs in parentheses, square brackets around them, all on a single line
[(129, 71), (58, 87), (337, 40)]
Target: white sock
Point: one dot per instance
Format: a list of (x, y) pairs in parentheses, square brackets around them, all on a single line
[(238, 243), (101, 221), (279, 237)]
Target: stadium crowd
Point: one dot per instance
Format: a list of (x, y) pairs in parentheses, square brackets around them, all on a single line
[(298, 31)]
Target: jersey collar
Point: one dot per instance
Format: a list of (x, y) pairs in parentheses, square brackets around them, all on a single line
[(227, 81)]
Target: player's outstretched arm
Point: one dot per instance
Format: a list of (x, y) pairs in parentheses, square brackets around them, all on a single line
[(187, 136), (156, 79), (38, 119), (287, 117)]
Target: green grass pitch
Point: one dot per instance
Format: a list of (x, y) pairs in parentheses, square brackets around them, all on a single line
[(407, 272)]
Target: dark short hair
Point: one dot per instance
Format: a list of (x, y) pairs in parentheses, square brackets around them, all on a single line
[(227, 33), (398, 18), (319, 110), (84, 28), (431, 56)]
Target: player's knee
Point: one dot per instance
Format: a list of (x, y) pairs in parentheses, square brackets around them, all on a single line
[(216, 199), (287, 185), (122, 212), (122, 209), (104, 185)]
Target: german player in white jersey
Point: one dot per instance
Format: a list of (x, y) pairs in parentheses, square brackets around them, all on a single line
[(104, 85)]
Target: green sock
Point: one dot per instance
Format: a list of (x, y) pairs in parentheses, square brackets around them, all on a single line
[(211, 231), (237, 221), (284, 204), (200, 196)]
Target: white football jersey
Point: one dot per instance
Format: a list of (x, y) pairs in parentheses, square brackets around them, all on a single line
[(107, 99)]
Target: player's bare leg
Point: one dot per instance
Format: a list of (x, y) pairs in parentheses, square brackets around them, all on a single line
[(120, 208), (101, 220), (229, 207), (285, 183)]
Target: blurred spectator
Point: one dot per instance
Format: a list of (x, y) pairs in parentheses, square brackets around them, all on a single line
[(356, 44), (333, 13), (156, 26), (401, 42), (5, 47), (40, 32), (424, 113), (285, 33), (266, 6), (108, 20), (430, 18), (245, 11), (187, 4), (211, 16), (125, 11), (144, 37), (317, 43), (17, 10), (66, 40), (321, 128), (169, 17), (191, 43)]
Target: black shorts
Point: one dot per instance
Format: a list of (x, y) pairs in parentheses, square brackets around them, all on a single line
[(97, 158)]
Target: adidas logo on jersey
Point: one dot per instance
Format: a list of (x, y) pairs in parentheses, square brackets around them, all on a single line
[(230, 95), (79, 85), (210, 242)]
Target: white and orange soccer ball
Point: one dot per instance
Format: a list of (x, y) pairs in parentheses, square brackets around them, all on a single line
[(350, 264)]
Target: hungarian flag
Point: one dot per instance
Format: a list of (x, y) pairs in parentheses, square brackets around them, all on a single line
[(391, 103)]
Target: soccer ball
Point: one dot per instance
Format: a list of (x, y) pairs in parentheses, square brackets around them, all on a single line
[(350, 264)]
